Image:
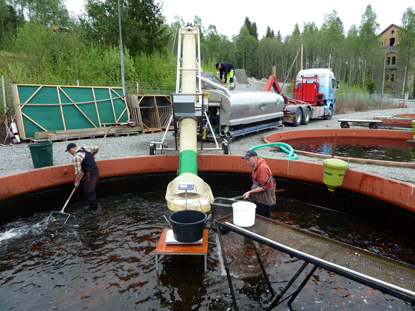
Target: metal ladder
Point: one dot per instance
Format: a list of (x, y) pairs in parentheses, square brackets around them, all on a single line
[(161, 146)]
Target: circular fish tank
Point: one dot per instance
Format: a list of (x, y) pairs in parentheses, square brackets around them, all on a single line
[(383, 147), (107, 260)]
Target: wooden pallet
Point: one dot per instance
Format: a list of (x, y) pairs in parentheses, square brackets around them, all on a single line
[(84, 134), (152, 130)]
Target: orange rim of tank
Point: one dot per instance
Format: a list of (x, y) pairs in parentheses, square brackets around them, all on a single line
[(344, 133), (386, 189)]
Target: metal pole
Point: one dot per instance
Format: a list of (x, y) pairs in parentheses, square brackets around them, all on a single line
[(301, 67), (174, 41), (4, 93), (355, 99), (77, 82), (121, 49)]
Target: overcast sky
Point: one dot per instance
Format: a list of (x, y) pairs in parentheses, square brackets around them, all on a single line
[(229, 16)]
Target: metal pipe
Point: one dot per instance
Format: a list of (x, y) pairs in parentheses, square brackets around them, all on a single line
[(228, 274), (215, 85), (121, 50), (223, 132), (251, 129)]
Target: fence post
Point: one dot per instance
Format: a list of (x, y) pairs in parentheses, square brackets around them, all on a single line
[(4, 93), (138, 89), (77, 82), (344, 100)]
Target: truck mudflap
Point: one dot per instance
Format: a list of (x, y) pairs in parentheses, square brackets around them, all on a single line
[(288, 118)]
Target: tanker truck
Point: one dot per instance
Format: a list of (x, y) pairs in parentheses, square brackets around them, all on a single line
[(233, 113), (239, 112)]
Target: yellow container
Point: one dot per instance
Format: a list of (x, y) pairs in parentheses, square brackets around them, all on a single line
[(413, 126), (334, 170)]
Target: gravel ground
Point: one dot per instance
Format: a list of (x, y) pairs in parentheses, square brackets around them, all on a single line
[(16, 158)]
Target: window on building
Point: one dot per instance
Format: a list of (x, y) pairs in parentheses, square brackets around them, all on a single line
[(393, 60), (388, 60), (392, 77), (391, 41)]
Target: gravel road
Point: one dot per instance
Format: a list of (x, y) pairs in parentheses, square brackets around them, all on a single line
[(16, 158)]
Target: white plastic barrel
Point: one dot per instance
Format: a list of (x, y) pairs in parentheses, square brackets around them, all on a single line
[(244, 213)]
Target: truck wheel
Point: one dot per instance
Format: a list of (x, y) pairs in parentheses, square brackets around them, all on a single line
[(297, 118), (373, 126), (345, 125), (306, 117), (330, 114)]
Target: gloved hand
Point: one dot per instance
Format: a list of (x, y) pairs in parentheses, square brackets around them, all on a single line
[(76, 184)]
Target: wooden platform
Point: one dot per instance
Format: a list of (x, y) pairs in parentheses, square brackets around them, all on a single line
[(185, 249), (84, 134), (373, 124)]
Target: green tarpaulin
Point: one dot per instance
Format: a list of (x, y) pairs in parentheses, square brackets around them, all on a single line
[(41, 108)]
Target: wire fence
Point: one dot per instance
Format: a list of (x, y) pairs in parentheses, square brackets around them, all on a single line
[(353, 102), (131, 87), (345, 102)]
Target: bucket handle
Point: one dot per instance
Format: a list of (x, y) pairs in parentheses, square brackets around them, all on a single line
[(208, 218), (167, 221)]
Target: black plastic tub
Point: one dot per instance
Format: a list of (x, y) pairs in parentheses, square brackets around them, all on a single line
[(221, 207), (188, 225)]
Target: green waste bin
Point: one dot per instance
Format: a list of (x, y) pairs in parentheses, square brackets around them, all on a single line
[(42, 154)]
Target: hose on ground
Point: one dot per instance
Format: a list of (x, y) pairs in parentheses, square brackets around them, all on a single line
[(283, 146)]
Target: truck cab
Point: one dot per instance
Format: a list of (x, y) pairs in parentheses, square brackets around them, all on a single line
[(316, 86)]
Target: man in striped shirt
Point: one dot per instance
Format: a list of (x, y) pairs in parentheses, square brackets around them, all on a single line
[(84, 162)]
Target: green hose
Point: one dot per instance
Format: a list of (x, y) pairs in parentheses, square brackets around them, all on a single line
[(283, 146)]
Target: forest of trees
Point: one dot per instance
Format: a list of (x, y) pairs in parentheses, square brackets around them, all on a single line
[(41, 43)]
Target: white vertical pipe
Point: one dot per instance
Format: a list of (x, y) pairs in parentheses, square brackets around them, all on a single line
[(188, 126), (189, 61)]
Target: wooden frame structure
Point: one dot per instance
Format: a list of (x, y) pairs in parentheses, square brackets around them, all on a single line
[(151, 112), (46, 108)]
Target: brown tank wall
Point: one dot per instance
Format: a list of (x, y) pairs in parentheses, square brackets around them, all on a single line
[(386, 189)]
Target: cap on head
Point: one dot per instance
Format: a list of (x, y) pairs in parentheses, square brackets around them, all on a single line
[(250, 153), (217, 65), (70, 146)]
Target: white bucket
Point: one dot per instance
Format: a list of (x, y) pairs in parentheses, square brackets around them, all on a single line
[(244, 213)]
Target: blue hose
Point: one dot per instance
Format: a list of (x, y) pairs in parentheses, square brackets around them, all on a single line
[(283, 146)]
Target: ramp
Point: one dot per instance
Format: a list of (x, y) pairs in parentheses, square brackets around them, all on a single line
[(384, 274)]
